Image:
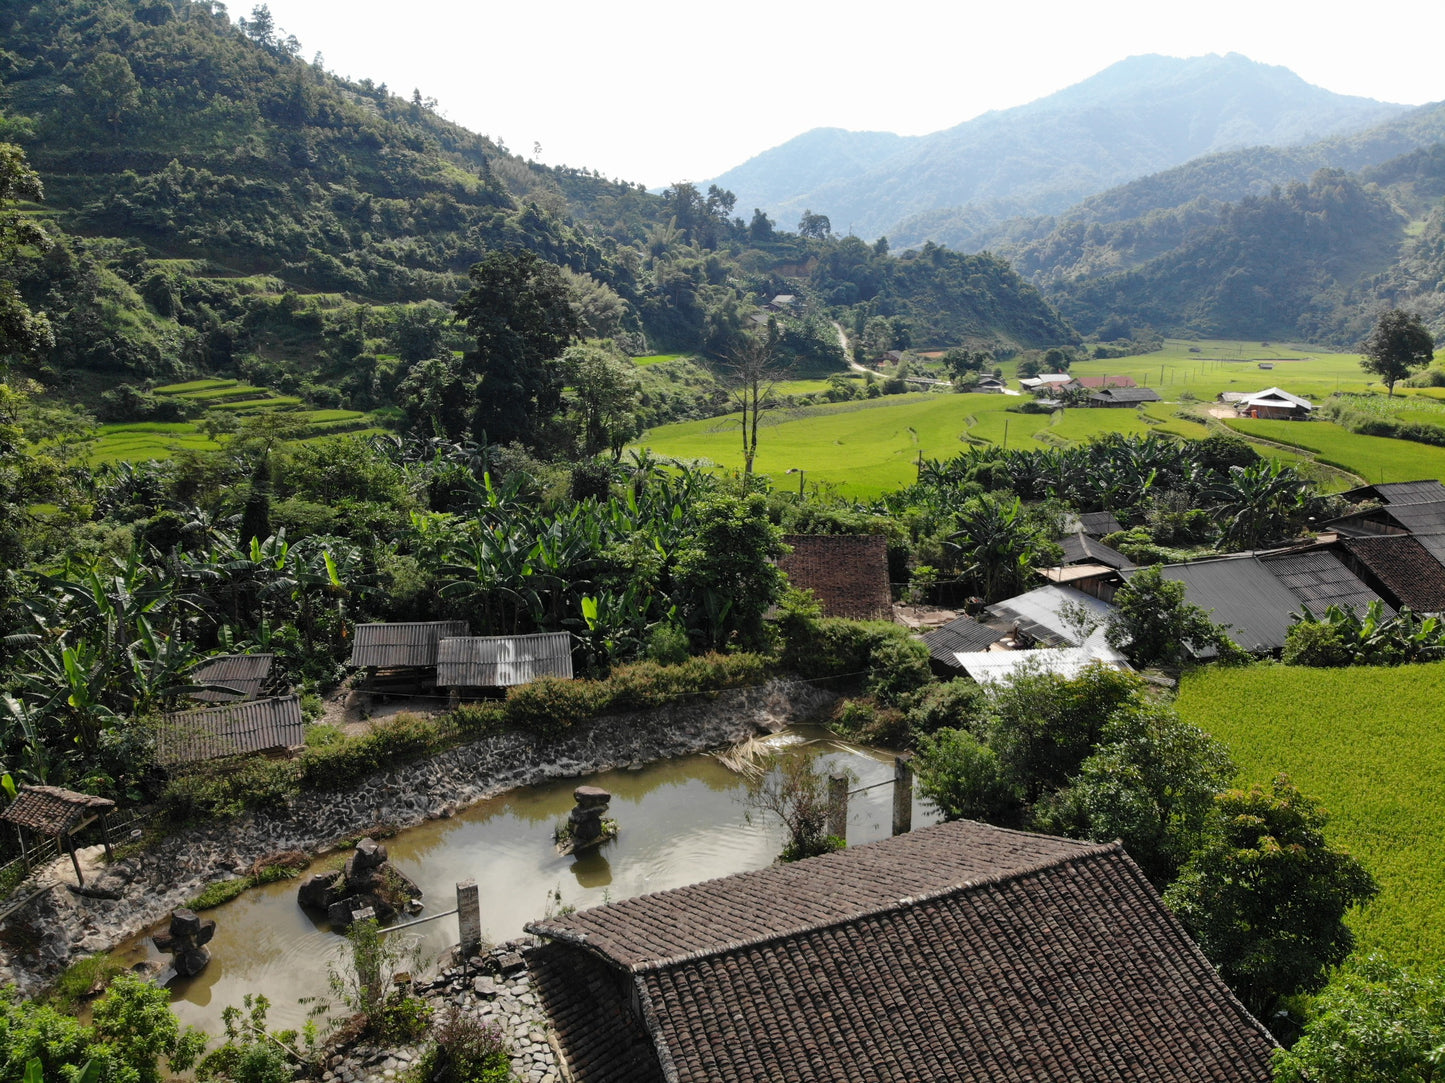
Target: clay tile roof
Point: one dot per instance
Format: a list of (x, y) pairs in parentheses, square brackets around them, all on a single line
[(961, 952), (1404, 569), (247, 674), (847, 572), (51, 810), (387, 645), (588, 1003)]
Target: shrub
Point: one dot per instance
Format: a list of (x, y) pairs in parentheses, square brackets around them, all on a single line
[(217, 791), (956, 704), (400, 738), (961, 776), (1315, 643), (897, 667), (667, 645), (467, 1051)]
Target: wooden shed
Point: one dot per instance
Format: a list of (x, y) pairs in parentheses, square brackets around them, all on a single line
[(502, 661), (388, 646), (232, 677), (232, 729)]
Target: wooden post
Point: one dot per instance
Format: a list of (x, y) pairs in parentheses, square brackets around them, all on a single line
[(105, 837), (24, 850), (469, 919), (69, 844), (838, 806), (902, 795)]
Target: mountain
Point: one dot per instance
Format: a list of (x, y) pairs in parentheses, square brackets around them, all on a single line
[(1314, 260), (1137, 117)]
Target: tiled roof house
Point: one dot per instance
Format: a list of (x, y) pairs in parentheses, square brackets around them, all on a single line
[(961, 952), (847, 572)]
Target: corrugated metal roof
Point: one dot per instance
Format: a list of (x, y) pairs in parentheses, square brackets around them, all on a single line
[(1004, 667), (503, 661), (1081, 549), (245, 674), (1116, 395), (1424, 517), (1399, 492), (1038, 614), (1099, 523), (387, 645), (235, 729), (1239, 592), (963, 634), (1320, 579), (1278, 396)]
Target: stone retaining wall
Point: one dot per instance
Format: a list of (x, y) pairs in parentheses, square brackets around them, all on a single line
[(49, 933)]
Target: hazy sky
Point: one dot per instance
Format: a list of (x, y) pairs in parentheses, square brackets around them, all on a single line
[(664, 90)]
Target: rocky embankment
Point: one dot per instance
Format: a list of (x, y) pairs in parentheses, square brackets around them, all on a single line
[(58, 926)]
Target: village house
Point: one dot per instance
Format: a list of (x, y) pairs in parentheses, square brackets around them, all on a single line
[(952, 953)]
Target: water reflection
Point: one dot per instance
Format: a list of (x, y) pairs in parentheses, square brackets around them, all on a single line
[(680, 821)]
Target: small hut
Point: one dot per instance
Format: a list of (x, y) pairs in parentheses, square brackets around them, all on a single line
[(57, 814), (502, 661), (229, 677), (232, 729)]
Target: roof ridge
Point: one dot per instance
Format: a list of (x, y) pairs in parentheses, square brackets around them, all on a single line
[(1085, 853)]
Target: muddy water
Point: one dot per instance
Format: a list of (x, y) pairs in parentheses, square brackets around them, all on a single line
[(680, 821)]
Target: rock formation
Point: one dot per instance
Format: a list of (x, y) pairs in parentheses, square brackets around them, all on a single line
[(368, 880)]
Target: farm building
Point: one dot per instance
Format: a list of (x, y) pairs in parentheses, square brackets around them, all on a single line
[(1046, 381), (1081, 549), (1093, 523), (963, 635), (956, 952), (1398, 492), (1095, 383), (1042, 616), (1399, 569), (502, 661), (232, 729), (58, 814), (395, 646), (1272, 403), (1124, 396), (233, 677), (1004, 667), (848, 573)]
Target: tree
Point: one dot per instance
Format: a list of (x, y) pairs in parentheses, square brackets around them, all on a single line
[(1149, 782), (816, 226), (605, 390), (996, 545), (727, 575), (796, 792), (519, 310), (1375, 1023), (761, 227), (22, 332), (1266, 897), (1154, 625), (751, 379), (961, 777), (1399, 344)]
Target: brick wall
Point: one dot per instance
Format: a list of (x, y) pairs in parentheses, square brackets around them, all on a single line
[(848, 573)]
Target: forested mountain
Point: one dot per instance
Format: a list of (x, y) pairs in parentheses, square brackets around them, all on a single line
[(1312, 260), (1137, 117), (218, 203)]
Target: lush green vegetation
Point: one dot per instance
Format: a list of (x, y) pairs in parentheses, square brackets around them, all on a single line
[(1368, 743), (1374, 458)]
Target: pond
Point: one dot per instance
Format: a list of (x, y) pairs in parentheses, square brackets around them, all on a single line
[(680, 821)]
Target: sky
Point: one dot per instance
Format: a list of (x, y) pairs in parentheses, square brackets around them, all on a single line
[(659, 91)]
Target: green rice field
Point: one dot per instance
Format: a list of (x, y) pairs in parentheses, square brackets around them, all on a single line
[(1369, 743), (1374, 458), (867, 447)]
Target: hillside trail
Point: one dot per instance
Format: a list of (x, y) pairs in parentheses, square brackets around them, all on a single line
[(848, 351)]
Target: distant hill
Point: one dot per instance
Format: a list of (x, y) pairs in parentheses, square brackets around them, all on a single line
[(1137, 117)]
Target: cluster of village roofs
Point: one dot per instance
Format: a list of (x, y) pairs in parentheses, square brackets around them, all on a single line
[(960, 951)]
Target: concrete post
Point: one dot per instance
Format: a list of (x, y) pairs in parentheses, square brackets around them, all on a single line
[(838, 806), (469, 918), (902, 795)]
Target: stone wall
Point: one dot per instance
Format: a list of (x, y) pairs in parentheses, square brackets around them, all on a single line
[(49, 933)]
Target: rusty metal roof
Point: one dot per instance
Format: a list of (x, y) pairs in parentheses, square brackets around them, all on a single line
[(386, 645), (502, 661), (234, 729), (245, 674), (53, 811)]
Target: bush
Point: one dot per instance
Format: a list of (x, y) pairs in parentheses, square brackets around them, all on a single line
[(961, 776), (955, 704), (218, 791), (1315, 643), (400, 738), (467, 1050), (668, 645), (898, 667)]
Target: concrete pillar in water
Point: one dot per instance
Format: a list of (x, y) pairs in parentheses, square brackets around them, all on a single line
[(469, 918), (902, 794), (838, 806)]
